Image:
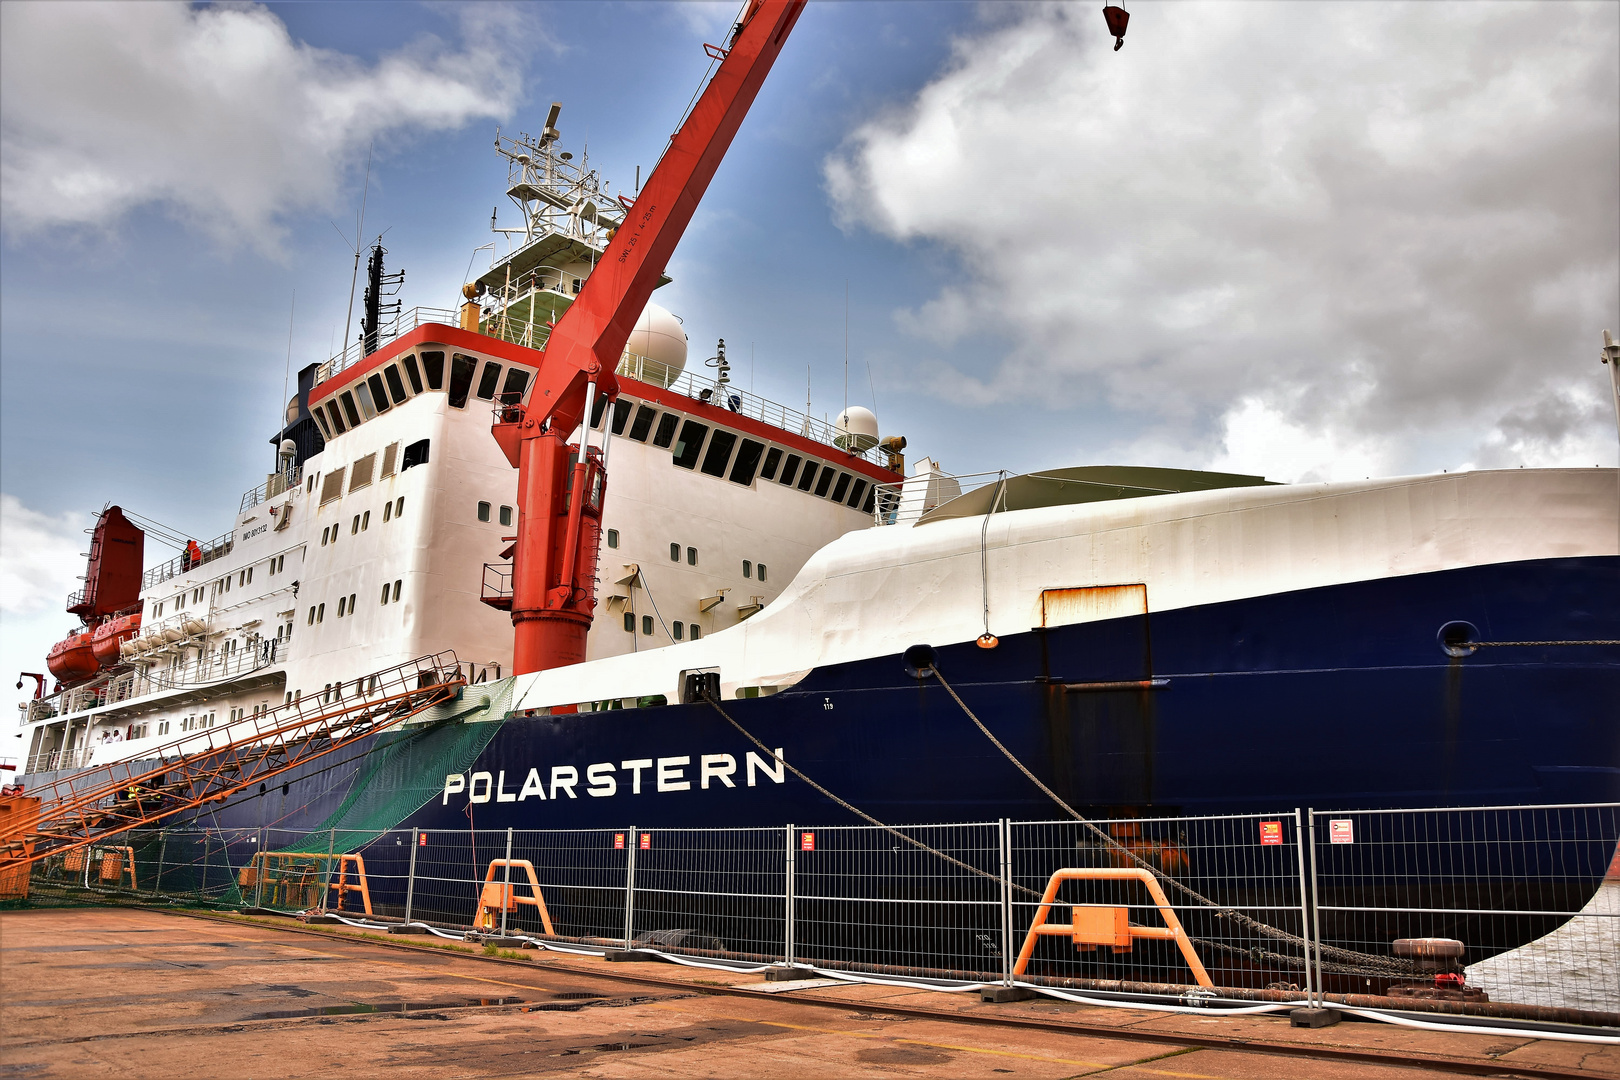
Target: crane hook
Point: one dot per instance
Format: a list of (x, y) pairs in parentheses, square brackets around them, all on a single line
[(1118, 18)]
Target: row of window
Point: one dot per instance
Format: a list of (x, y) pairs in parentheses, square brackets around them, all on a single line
[(346, 605), (751, 458), (362, 521), (395, 383), (677, 630), (505, 515), (219, 586), (360, 473)]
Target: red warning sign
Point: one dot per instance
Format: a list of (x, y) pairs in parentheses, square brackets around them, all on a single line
[(1342, 831), (646, 841), (807, 841), (421, 840), (1270, 833), (618, 841)]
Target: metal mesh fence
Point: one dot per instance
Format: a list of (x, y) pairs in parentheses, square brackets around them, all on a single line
[(1502, 903), (1471, 907)]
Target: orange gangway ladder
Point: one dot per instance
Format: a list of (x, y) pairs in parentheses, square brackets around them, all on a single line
[(1091, 926), (500, 896)]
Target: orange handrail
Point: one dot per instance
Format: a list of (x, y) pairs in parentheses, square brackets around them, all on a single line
[(499, 895), (1123, 932)]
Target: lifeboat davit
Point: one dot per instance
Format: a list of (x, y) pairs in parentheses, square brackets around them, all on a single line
[(73, 659), (107, 638)]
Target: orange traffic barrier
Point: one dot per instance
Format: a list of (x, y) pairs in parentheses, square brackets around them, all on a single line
[(499, 895), (1094, 926)]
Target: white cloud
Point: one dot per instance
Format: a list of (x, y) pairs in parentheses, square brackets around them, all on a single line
[(40, 558), (1355, 225), (40, 564), (215, 113)]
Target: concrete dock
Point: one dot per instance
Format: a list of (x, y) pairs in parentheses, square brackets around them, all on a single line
[(125, 992)]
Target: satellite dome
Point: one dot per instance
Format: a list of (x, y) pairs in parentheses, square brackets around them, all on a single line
[(660, 341), (857, 430), (288, 448)]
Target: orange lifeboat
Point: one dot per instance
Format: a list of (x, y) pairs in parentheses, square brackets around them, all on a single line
[(107, 637), (73, 659)]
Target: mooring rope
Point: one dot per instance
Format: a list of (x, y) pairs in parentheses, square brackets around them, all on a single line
[(1256, 954), (1364, 959)]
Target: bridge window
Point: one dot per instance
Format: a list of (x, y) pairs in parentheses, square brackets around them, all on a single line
[(349, 410), (807, 476), (791, 468), (666, 430), (413, 373), (827, 472), (840, 488), (598, 407), (714, 462), (690, 444), (773, 461), (461, 377), (396, 385), (320, 421), (366, 407), (517, 381), (643, 424), (621, 413), (742, 470), (433, 368), (337, 417), (380, 396), (489, 380), (855, 495)]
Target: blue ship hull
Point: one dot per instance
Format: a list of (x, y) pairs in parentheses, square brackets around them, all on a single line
[(1338, 697)]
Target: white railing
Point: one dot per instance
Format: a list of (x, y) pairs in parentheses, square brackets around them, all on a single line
[(402, 323), (274, 485), (217, 548)]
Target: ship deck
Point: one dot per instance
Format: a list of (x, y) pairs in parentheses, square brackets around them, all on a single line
[(104, 991)]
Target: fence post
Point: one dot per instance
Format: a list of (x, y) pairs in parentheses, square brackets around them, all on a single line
[(506, 882), (264, 867), (163, 849), (787, 897), (410, 875), (630, 843), (326, 878), (1304, 901), (202, 889), (1316, 913), (1005, 837)]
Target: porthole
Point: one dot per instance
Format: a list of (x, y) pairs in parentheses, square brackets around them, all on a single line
[(647, 625), (613, 538), (483, 511), (674, 553), (506, 515), (629, 622)]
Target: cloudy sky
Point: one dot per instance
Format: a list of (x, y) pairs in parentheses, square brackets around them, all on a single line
[(1313, 241)]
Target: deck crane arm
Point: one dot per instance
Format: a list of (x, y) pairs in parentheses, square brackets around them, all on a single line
[(554, 557)]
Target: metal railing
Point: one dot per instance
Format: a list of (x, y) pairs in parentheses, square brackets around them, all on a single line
[(274, 485), (217, 548), (402, 323), (1498, 912)]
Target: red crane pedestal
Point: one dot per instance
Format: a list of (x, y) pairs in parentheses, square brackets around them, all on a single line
[(558, 538)]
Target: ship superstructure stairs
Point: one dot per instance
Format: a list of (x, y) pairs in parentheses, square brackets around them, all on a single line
[(212, 765)]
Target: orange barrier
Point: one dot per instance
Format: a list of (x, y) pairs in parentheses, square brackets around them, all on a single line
[(296, 885), (1094, 926), (499, 896)]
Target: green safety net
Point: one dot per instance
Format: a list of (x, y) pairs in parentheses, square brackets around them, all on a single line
[(407, 771)]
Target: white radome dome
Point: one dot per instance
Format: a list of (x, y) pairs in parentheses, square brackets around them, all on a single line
[(659, 338), (857, 430)]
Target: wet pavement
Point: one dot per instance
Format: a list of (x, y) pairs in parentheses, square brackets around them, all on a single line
[(118, 992)]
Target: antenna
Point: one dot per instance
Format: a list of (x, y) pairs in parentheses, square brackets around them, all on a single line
[(359, 224), (287, 371), (846, 345)]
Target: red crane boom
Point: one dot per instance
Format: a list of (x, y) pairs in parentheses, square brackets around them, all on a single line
[(554, 558)]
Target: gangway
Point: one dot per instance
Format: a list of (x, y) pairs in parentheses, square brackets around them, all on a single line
[(212, 765)]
